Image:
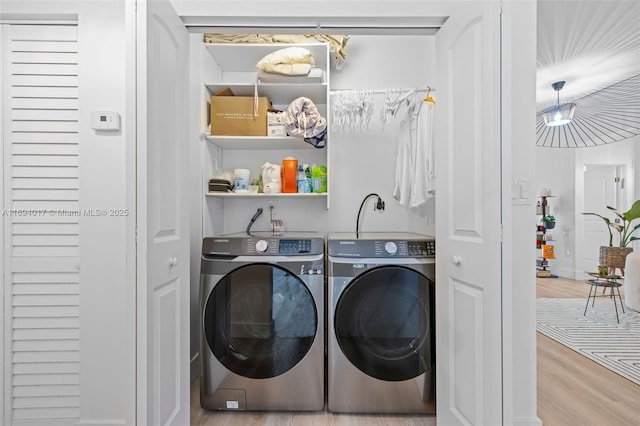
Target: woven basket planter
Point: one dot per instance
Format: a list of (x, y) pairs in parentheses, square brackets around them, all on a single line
[(614, 257)]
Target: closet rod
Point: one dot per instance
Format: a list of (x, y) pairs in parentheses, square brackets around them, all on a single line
[(383, 91)]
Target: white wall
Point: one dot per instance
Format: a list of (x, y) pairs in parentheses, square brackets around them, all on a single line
[(107, 302), (107, 306), (519, 362), (555, 170), (364, 163), (562, 170)]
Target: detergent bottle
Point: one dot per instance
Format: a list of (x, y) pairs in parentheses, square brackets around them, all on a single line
[(289, 175)]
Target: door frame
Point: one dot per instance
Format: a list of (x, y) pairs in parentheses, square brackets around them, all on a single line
[(511, 228), (514, 222)]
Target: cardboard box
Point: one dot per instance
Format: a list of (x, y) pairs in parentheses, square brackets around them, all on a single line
[(234, 115)]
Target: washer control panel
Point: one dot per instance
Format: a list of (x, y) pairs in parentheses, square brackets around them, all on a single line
[(294, 247), (262, 246), (381, 247)]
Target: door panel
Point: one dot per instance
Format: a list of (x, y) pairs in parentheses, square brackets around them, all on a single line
[(163, 263), (599, 192), (468, 285)]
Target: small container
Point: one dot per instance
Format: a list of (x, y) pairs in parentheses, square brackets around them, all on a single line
[(289, 172), (241, 180)]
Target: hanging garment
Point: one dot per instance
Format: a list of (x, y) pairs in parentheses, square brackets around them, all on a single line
[(423, 180), (351, 110), (415, 173), (404, 164)]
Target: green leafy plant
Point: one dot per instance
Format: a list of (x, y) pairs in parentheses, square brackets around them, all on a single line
[(549, 218), (625, 229)]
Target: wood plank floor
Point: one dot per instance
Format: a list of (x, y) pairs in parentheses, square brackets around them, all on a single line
[(572, 389)]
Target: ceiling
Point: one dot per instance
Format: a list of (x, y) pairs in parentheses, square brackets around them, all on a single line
[(590, 44)]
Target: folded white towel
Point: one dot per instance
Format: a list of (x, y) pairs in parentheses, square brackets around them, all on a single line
[(287, 61)]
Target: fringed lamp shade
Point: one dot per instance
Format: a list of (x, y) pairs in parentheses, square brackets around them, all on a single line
[(606, 116), (557, 116)]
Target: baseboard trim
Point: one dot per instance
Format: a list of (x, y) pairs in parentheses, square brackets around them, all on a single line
[(527, 421)]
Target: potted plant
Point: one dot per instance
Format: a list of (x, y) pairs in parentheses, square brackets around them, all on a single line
[(614, 257), (549, 221)]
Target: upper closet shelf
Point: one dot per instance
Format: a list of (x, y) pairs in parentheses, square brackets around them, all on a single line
[(227, 57), (258, 142)]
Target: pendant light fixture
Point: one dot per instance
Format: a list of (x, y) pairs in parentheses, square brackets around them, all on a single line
[(558, 114), (607, 115)]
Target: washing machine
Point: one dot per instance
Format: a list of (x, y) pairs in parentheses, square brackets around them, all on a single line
[(262, 316), (381, 323)]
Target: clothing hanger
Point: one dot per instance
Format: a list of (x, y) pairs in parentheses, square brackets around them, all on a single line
[(429, 99)]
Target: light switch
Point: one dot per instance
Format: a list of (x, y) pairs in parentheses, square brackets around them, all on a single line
[(105, 120), (520, 191)]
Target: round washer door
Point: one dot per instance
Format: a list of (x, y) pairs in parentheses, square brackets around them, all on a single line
[(260, 320), (385, 323)]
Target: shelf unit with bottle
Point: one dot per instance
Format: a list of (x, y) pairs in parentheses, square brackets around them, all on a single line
[(543, 239), (233, 66)]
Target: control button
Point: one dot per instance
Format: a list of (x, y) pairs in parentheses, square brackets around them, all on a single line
[(390, 247), (262, 246)]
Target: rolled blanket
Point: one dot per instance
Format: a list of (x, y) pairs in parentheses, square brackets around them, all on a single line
[(303, 120)]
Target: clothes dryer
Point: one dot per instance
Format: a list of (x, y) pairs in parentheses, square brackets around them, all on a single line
[(381, 323), (262, 316)]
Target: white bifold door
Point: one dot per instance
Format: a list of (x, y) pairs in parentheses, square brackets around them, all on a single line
[(468, 211), (162, 216)]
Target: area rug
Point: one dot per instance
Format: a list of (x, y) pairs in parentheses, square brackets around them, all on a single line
[(595, 335)]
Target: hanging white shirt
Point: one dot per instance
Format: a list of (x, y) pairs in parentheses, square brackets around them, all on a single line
[(423, 178), (404, 163)]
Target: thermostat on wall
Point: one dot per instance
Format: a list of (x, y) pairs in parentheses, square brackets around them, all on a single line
[(105, 120)]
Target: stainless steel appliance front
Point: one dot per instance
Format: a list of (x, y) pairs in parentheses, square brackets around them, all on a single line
[(262, 317), (381, 323)]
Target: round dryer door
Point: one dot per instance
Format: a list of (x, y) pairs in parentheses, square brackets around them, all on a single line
[(385, 323), (260, 321)]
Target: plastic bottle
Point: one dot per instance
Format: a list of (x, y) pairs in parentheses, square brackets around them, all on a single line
[(301, 180), (289, 172), (307, 171), (319, 179)]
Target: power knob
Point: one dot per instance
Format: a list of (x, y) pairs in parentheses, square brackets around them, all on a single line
[(390, 247), (262, 246)]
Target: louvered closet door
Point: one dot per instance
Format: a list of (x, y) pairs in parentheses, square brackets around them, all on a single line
[(41, 230)]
